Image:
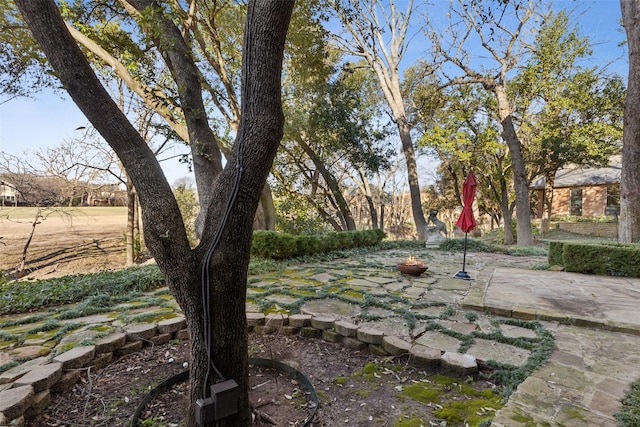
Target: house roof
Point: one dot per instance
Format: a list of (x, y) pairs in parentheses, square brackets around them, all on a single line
[(584, 177)]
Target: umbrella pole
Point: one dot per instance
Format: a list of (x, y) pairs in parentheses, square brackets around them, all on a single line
[(463, 274), (464, 256)]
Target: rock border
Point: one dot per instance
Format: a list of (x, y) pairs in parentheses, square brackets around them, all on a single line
[(25, 390)]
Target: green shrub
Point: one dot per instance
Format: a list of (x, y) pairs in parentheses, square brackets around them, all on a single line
[(590, 219), (274, 245), (473, 245), (526, 251), (601, 258), (556, 249)]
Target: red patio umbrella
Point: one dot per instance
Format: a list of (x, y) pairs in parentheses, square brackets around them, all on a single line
[(467, 221)]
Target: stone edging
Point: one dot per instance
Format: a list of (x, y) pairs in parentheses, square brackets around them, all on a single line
[(25, 390)]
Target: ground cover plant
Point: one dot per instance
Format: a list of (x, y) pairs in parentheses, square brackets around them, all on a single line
[(629, 415), (360, 259), (29, 295)]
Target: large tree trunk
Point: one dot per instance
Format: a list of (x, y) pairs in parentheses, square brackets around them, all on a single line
[(506, 214), (412, 177), (227, 231), (520, 182), (547, 201), (629, 226)]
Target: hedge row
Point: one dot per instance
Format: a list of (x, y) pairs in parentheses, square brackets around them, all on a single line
[(603, 258), (271, 244)]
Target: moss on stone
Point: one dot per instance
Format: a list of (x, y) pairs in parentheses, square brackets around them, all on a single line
[(340, 380), (410, 422)]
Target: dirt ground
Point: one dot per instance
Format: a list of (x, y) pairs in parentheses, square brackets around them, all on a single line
[(64, 242), (350, 391), (354, 388)]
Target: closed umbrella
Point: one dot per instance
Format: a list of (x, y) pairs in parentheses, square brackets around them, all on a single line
[(467, 221)]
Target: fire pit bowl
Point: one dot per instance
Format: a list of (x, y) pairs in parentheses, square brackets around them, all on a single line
[(412, 269)]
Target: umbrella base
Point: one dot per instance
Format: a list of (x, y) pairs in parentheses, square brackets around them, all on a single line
[(462, 275)]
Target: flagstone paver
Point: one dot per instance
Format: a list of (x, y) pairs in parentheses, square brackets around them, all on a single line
[(77, 357), (41, 377), (492, 350), (364, 301), (15, 401)]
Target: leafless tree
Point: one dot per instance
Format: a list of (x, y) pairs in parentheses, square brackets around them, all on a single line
[(499, 30), (366, 23)]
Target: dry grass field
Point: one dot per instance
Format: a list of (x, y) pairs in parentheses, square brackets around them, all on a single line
[(65, 240)]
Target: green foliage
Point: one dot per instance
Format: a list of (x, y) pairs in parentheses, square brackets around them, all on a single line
[(601, 258), (477, 408), (629, 414), (556, 249), (542, 346), (401, 244), (578, 111), (526, 251), (535, 230), (20, 297), (588, 219), (8, 365), (189, 208), (259, 265), (471, 316), (475, 245), (270, 244)]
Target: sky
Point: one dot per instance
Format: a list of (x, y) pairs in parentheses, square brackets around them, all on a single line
[(47, 119)]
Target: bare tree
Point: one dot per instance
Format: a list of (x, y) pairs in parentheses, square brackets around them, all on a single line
[(629, 227), (208, 281), (498, 29), (365, 23), (199, 36)]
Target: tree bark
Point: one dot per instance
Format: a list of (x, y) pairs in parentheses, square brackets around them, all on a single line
[(228, 218), (547, 201), (520, 182), (207, 159), (506, 214), (629, 225), (412, 177)]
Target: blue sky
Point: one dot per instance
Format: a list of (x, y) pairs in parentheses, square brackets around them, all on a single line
[(48, 120)]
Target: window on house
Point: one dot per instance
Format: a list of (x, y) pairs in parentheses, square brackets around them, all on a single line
[(613, 201), (575, 207)]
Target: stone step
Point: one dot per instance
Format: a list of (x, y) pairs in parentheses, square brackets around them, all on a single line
[(42, 377), (77, 357), (15, 401)]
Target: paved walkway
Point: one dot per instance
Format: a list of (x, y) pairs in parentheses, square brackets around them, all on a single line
[(596, 328), (593, 320)]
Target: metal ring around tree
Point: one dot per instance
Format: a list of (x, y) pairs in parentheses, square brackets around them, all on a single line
[(255, 361)]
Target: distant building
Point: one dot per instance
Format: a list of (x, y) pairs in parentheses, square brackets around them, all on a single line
[(587, 192), (8, 194)]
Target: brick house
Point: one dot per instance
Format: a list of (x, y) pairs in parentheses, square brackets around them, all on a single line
[(588, 192)]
